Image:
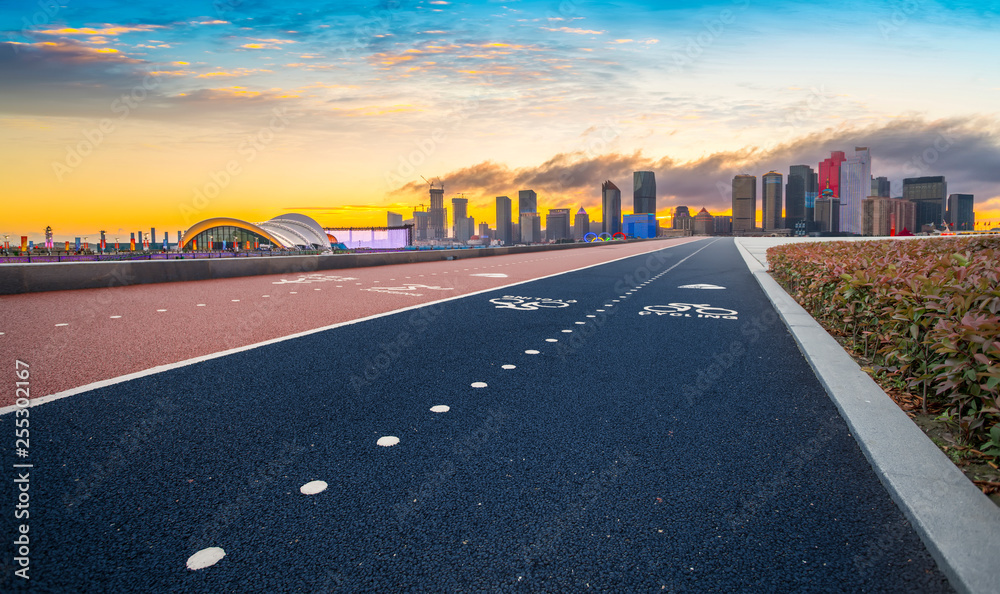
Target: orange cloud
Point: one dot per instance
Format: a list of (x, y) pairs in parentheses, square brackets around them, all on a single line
[(107, 29)]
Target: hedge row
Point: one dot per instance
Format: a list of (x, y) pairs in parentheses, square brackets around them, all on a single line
[(924, 311)]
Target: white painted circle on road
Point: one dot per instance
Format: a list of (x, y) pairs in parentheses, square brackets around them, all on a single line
[(388, 441), (205, 558), (440, 408), (530, 352), (478, 384), (508, 366), (312, 488)]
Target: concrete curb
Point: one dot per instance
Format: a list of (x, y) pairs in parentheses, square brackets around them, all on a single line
[(957, 523)]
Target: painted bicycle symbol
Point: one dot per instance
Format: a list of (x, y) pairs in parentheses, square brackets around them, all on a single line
[(529, 303), (690, 310)]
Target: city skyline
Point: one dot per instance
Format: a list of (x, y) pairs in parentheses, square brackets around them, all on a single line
[(125, 117)]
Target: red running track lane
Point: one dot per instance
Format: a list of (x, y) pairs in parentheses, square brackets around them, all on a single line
[(74, 338)]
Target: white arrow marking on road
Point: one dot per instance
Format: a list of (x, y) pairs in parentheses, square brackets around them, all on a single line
[(700, 286)]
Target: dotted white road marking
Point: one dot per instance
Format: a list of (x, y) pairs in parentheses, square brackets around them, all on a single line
[(508, 366), (236, 300), (322, 289), (161, 310), (313, 487), (567, 331), (1, 333), (63, 324), (478, 384), (205, 558), (600, 310), (551, 340), (388, 441), (440, 408), (115, 317), (203, 305), (293, 292), (530, 352), (265, 295), (591, 316), (580, 323)]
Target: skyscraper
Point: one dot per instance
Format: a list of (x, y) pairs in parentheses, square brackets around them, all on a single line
[(961, 215), (557, 224), (682, 218), (527, 201), (829, 172), (643, 192), (704, 223), (855, 184), (771, 219), (611, 208), (462, 231), (504, 229), (800, 195), (744, 203), (531, 227), (437, 222), (828, 212), (581, 224), (929, 194), (880, 187)]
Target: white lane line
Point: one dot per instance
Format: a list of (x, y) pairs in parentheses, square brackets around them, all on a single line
[(478, 384), (203, 305), (236, 300), (293, 292), (551, 340), (265, 295), (440, 408), (508, 366), (567, 331), (161, 310), (169, 366), (313, 487), (531, 352), (388, 441), (63, 324)]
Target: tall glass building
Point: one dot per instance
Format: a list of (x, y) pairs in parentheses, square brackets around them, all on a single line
[(438, 217), (643, 192), (772, 201), (744, 203), (855, 185), (801, 190), (929, 194), (504, 228), (611, 208), (527, 202)]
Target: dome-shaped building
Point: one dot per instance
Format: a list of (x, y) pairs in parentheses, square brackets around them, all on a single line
[(291, 231)]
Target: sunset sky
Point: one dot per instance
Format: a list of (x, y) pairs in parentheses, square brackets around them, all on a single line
[(125, 115)]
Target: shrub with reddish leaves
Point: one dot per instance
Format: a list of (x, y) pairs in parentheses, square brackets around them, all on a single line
[(924, 310)]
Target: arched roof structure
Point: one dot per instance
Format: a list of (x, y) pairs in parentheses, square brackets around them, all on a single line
[(289, 231)]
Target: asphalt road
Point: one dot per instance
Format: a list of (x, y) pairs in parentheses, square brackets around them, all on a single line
[(75, 338), (597, 437)]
